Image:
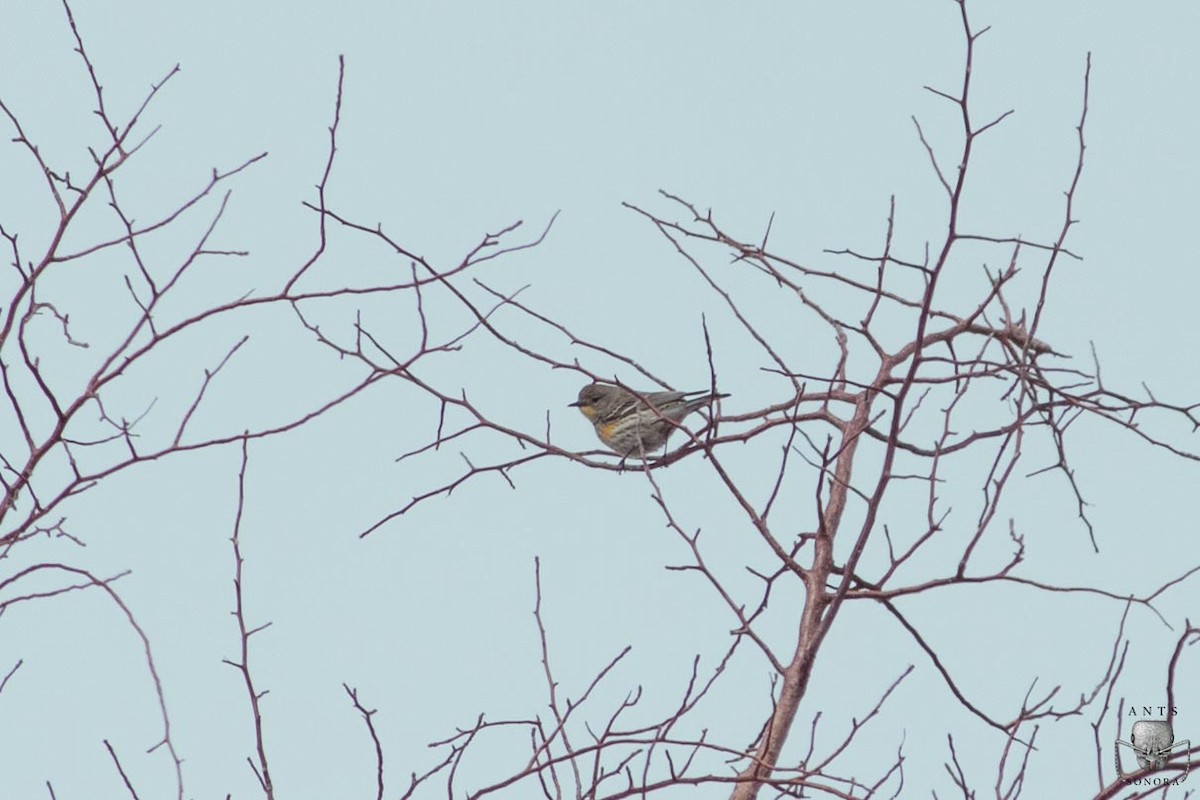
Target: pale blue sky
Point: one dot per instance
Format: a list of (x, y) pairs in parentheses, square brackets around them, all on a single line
[(458, 119)]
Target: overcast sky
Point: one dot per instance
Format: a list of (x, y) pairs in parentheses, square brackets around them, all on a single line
[(459, 119)]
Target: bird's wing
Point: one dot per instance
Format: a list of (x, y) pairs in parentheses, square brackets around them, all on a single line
[(662, 399)]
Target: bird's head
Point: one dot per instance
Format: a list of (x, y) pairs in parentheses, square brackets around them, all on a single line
[(590, 399)]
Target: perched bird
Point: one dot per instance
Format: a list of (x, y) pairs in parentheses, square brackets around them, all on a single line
[(637, 424)]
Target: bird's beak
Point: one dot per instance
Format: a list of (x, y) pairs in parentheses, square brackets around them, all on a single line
[(576, 404)]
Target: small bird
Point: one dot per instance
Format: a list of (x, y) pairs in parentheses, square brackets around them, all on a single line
[(637, 424)]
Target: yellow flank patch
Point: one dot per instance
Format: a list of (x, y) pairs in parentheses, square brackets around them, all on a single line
[(607, 429)]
